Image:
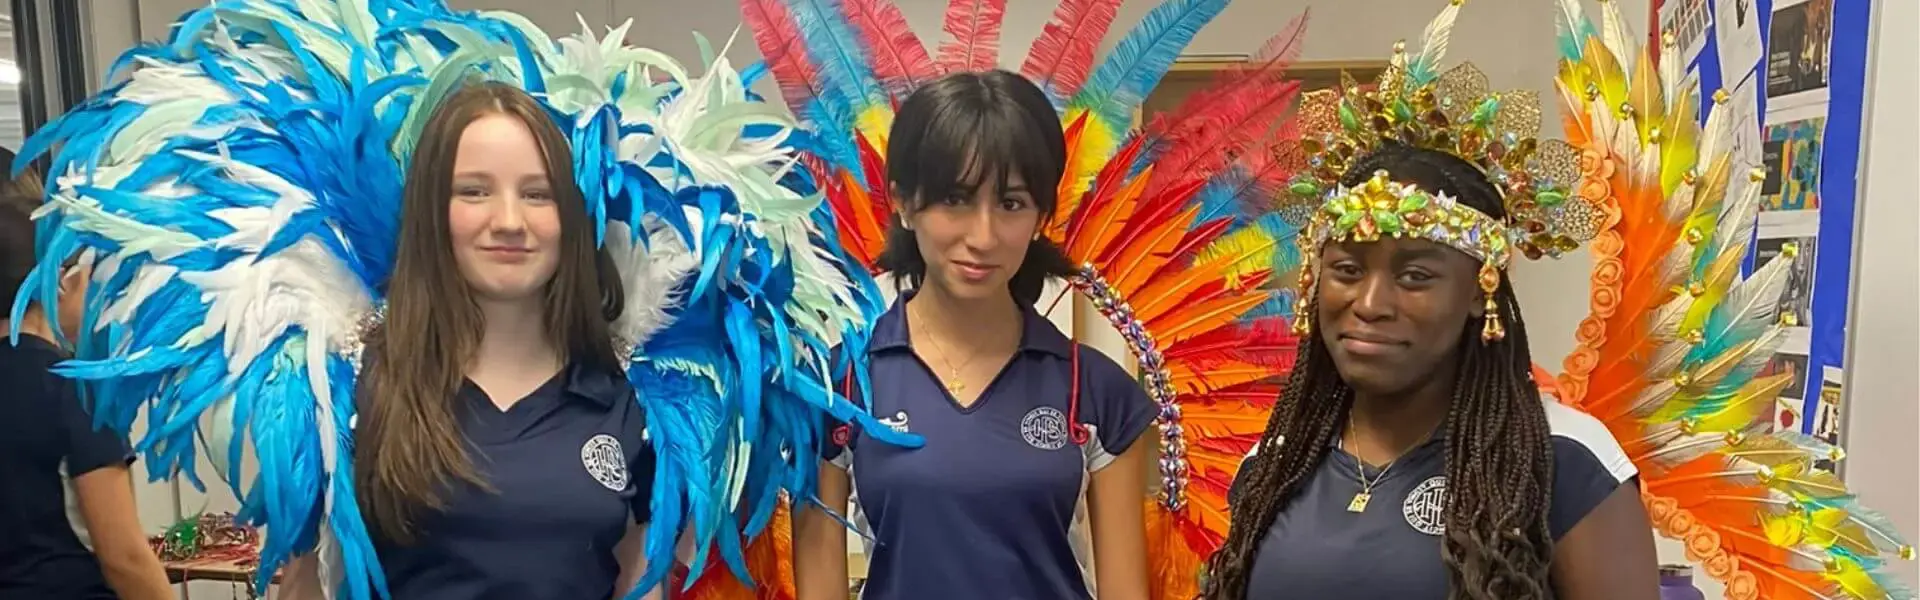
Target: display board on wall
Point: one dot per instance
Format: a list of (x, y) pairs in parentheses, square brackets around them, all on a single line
[(1780, 60)]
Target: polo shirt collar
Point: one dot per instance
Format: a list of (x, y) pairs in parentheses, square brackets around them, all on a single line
[(577, 381), (1037, 334), (592, 385)]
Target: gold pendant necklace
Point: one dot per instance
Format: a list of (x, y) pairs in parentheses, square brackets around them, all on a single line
[(955, 386), (1360, 500)]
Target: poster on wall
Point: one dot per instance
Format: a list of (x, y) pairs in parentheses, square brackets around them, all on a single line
[(1796, 298), (1688, 21), (1736, 31), (1790, 407), (1827, 425), (1798, 46), (1791, 154)]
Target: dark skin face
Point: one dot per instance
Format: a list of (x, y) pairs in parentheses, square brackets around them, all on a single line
[(1392, 312)]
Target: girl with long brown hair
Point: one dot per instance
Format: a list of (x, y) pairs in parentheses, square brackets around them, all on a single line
[(492, 376)]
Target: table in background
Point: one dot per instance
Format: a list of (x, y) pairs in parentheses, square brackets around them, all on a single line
[(240, 574)]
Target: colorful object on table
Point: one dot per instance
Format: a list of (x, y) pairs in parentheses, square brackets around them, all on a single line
[(1671, 355), (208, 537), (1169, 221), (1415, 104), (239, 192)]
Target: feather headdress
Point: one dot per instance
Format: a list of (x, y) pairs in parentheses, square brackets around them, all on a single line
[(1168, 220), (238, 192), (1672, 355)]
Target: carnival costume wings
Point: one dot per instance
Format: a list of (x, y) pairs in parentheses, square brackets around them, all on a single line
[(1672, 354), (237, 193), (1671, 358), (1170, 221)]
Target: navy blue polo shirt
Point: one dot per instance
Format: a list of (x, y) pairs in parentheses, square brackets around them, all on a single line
[(984, 509), (1317, 548), (44, 429), (570, 468)]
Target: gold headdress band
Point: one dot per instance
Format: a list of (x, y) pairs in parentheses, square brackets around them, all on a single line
[(1414, 104)]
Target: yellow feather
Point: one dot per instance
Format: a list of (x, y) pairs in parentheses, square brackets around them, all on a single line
[(1802, 480), (1238, 254), (1857, 582), (1647, 98), (1831, 528), (1719, 277), (875, 122), (1604, 70), (1096, 144), (1785, 531), (1681, 150), (1750, 404), (1766, 450), (1573, 78)]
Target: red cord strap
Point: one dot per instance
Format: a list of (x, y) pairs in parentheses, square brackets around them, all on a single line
[(843, 435), (1075, 430)]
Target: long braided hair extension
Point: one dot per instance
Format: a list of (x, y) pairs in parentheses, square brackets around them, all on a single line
[(1499, 458)]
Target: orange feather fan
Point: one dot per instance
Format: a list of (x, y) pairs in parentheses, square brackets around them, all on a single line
[(1168, 221)]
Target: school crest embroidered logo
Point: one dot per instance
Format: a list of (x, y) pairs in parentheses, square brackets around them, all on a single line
[(1426, 506), (897, 423), (1044, 428), (605, 461)]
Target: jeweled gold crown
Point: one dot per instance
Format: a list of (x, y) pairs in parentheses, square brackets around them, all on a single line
[(1415, 104)]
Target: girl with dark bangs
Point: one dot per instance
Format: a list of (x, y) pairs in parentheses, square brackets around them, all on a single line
[(986, 508)]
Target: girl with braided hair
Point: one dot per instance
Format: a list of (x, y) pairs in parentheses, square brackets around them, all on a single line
[(1401, 433), (1400, 430)]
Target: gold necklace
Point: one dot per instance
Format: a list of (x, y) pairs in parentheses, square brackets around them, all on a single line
[(1360, 500), (952, 382)]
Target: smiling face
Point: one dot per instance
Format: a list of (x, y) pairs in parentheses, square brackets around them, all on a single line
[(975, 239), (502, 219), (1392, 312)]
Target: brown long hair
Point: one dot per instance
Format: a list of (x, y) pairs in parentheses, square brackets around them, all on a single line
[(409, 445), (1499, 454)]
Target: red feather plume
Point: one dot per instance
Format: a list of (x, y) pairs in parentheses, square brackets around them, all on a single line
[(1106, 185), (785, 50), (973, 29), (1061, 59), (1153, 209), (900, 61), (1233, 115), (1264, 342)]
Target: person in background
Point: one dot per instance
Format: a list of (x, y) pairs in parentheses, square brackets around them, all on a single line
[(493, 378), (1019, 420), (48, 445)]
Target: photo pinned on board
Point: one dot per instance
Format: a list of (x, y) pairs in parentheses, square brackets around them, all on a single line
[(1791, 154), (1796, 299), (1689, 21), (1798, 41)]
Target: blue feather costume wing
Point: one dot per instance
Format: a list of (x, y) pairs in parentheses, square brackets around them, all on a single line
[(237, 196)]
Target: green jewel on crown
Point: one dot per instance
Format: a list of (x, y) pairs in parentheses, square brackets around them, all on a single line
[(1382, 207)]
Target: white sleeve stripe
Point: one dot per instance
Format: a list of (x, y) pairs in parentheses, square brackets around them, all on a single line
[(1568, 422), (1096, 453)]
